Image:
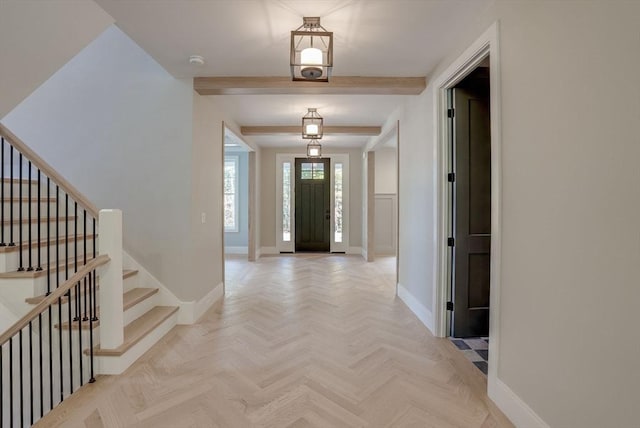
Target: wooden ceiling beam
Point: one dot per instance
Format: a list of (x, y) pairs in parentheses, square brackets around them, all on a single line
[(369, 131), (354, 85)]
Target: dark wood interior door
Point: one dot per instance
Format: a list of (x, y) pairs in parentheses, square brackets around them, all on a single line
[(472, 207), (313, 209)]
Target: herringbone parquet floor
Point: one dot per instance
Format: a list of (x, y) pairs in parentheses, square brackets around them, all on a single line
[(299, 341)]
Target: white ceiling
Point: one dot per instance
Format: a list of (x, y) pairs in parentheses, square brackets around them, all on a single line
[(251, 38)]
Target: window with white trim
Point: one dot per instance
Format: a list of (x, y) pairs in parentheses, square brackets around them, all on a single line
[(231, 193)]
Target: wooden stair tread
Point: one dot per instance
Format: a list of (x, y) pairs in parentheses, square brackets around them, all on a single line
[(37, 299), (42, 243), (42, 219), (138, 329), (129, 300), (136, 295), (128, 273), (46, 269)]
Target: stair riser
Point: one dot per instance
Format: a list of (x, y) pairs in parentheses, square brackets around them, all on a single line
[(6, 206), (51, 232), (140, 309), (25, 189), (10, 262)]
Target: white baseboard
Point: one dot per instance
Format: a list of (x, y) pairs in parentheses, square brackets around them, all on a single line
[(421, 311), (236, 250), (513, 407), (190, 312), (268, 250)]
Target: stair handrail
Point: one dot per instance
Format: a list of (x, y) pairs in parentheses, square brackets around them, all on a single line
[(48, 170), (53, 297)]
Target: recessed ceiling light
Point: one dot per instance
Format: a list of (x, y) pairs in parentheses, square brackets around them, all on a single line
[(196, 60)]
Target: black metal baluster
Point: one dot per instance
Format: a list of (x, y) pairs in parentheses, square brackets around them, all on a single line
[(69, 303), (57, 271), (21, 268), (78, 297), (1, 387), (2, 243), (75, 256), (84, 253), (21, 381), (11, 243), (41, 366), (39, 267), (95, 297), (60, 343), (50, 359), (11, 382), (30, 268), (92, 378), (31, 371)]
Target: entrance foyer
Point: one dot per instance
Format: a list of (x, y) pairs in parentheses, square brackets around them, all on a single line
[(300, 340)]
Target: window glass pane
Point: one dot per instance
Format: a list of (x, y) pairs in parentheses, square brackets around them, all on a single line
[(229, 177), (229, 211), (230, 184), (306, 171), (338, 202), (318, 171), (286, 202)]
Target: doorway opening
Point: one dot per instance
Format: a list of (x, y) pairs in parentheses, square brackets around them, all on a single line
[(238, 197), (304, 181), (469, 177), (484, 51)]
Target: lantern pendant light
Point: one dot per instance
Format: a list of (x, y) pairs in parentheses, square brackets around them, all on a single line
[(312, 125), (311, 51), (314, 149)]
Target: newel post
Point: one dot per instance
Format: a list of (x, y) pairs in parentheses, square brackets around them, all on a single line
[(111, 311)]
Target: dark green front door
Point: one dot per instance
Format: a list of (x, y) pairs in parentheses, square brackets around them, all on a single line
[(313, 210)]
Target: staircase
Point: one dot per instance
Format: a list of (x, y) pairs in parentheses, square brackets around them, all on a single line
[(80, 312)]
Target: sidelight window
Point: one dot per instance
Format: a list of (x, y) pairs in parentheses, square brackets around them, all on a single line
[(286, 202), (338, 202), (231, 193)]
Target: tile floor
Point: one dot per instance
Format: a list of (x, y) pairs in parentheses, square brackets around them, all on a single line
[(476, 349)]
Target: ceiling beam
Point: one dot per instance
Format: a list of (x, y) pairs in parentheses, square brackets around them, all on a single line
[(354, 85), (368, 131)]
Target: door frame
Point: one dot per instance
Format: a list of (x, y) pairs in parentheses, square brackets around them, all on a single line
[(289, 246), (485, 46)]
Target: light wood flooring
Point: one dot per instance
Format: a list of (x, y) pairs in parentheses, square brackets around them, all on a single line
[(299, 341)]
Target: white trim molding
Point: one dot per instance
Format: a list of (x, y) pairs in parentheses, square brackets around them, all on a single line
[(190, 312), (487, 45), (289, 246), (513, 407), (424, 315)]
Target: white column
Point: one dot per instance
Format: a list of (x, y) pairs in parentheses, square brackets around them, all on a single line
[(111, 311)]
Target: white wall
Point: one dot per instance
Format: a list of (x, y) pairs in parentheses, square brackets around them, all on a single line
[(569, 342), (39, 37), (386, 171), (119, 127)]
